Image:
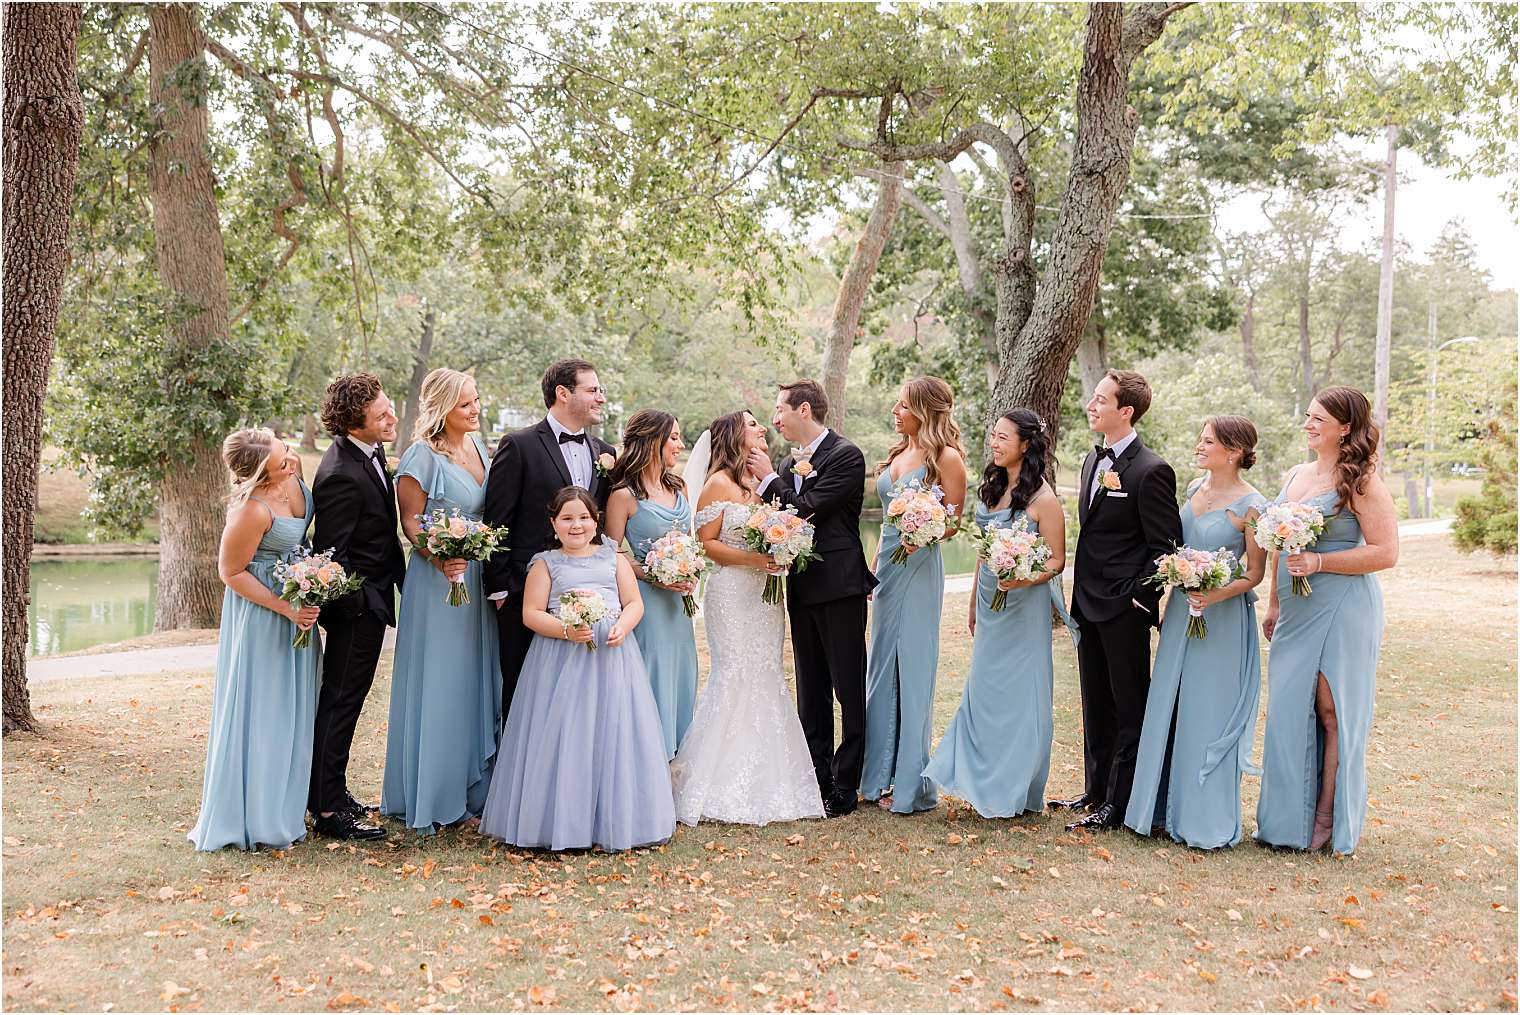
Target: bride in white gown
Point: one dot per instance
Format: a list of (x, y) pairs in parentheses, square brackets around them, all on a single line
[(744, 758)]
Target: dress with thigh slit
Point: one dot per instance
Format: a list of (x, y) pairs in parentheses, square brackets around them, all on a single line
[(1336, 630), (901, 667)]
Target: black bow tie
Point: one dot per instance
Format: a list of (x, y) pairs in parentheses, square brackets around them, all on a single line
[(566, 438), (1104, 452)]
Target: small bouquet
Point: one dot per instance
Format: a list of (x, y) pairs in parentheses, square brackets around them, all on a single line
[(313, 579), (581, 608), (1195, 571), (453, 535), (676, 558), (777, 531), (1290, 527), (919, 515), (1014, 552)]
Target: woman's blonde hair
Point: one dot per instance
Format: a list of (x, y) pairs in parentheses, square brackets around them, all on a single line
[(246, 454), (439, 394), (932, 402)]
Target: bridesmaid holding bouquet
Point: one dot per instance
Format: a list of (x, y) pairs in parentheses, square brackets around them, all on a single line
[(446, 684), (258, 755), (648, 501)]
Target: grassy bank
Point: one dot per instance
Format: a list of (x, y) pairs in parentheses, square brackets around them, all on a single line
[(105, 903)]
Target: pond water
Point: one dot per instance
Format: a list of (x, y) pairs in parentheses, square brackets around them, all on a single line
[(83, 601), (79, 602)]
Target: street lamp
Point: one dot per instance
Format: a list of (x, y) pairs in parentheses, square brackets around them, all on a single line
[(1430, 410)]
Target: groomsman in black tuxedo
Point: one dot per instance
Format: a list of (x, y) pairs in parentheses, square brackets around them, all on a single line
[(825, 481), (529, 467), (355, 503), (1127, 505)]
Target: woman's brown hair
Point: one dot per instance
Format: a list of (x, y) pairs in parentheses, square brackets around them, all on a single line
[(1358, 450), (728, 445), (644, 438), (1237, 434), (933, 402)]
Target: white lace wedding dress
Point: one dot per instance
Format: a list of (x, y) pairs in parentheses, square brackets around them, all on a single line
[(744, 758)]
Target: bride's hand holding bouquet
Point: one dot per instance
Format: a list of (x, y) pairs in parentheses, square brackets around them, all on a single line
[(779, 534)]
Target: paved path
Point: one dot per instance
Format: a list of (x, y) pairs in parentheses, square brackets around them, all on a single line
[(203, 657)]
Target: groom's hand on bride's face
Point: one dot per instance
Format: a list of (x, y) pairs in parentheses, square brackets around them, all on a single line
[(759, 463)]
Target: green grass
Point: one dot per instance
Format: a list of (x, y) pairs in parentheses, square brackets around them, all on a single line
[(105, 903)]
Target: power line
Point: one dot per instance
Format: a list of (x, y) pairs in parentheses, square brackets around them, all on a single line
[(771, 142)]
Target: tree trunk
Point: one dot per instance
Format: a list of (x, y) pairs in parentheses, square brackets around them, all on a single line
[(1034, 357), (1385, 298), (192, 268), (44, 121), (1248, 342), (413, 406), (845, 323), (309, 432), (1092, 354), (1305, 349)]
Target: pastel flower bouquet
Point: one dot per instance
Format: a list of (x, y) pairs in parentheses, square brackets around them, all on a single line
[(675, 559), (779, 532), (450, 534), (313, 579), (919, 515), (581, 608), (1195, 571), (1290, 527), (1015, 552)]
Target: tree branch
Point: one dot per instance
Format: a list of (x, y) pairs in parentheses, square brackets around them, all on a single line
[(1143, 25), (935, 220)]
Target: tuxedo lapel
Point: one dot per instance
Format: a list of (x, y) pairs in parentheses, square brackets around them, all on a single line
[(1121, 464), (551, 446), (1084, 491), (366, 465), (598, 448), (821, 455)]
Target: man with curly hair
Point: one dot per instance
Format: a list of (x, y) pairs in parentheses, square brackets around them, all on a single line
[(355, 501)]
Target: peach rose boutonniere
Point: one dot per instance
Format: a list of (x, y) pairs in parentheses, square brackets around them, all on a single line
[(604, 463), (1108, 479), (803, 469)]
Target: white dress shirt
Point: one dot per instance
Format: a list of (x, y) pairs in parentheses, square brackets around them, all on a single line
[(1105, 464), (577, 453), (810, 448), (368, 451)]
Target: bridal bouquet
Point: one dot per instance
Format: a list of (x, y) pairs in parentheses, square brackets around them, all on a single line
[(777, 531), (919, 515), (1289, 527), (676, 558), (1014, 552), (581, 608), (1195, 571), (453, 535), (313, 579)]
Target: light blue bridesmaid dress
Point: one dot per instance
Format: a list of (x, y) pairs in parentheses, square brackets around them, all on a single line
[(995, 753), (583, 759), (901, 667), (258, 755), (1200, 713), (446, 682), (666, 637), (1338, 631)]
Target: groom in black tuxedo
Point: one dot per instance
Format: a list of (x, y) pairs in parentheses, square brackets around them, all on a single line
[(529, 467), (827, 602), (1127, 505), (355, 503)]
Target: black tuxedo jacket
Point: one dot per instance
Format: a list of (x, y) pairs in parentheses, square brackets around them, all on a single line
[(356, 517), (1123, 532), (830, 498), (527, 470)]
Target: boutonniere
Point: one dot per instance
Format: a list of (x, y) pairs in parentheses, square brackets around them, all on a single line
[(604, 463), (803, 469), (390, 471), (1108, 479)]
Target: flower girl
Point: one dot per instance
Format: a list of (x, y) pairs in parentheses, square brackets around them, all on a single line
[(582, 758)]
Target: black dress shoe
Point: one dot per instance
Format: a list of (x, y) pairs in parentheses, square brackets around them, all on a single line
[(1105, 817), (363, 810), (346, 824), (840, 802), (1077, 803)]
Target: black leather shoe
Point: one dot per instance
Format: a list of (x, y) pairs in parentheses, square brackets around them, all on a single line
[(347, 825), (1077, 803), (1105, 817), (840, 803), (363, 810)]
